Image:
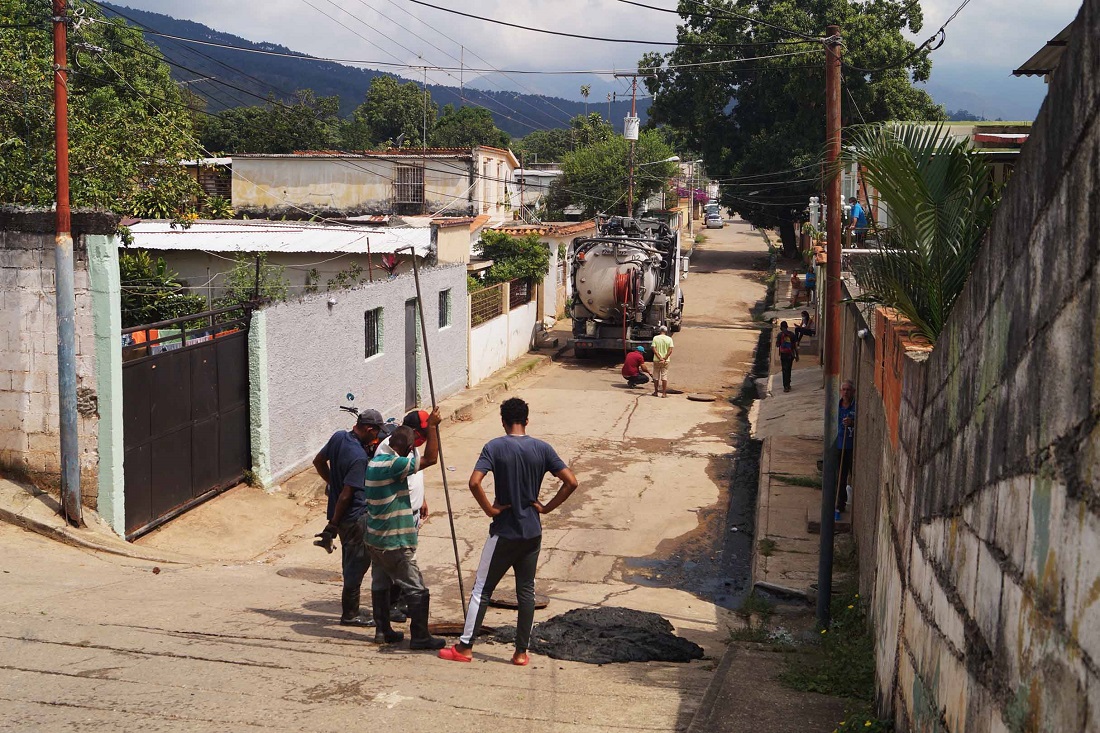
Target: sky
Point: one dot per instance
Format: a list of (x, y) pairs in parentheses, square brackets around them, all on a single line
[(984, 43)]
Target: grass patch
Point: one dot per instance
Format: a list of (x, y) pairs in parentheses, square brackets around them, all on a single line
[(755, 605), (700, 238), (807, 481), (757, 634), (766, 547), (843, 662)]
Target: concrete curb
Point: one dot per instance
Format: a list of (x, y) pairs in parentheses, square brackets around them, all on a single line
[(701, 719), (482, 397)]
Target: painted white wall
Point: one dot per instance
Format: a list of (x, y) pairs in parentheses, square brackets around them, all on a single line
[(497, 342)]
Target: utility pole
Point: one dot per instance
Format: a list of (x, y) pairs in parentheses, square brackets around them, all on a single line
[(63, 277), (424, 152), (632, 136), (832, 323)]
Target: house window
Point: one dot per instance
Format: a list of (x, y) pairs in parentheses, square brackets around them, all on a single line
[(373, 332), (408, 189), (444, 308)]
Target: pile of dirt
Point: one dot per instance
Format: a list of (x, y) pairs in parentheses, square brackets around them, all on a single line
[(608, 634)]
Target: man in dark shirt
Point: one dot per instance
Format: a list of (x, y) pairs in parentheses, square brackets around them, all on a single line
[(845, 442), (634, 369), (342, 463), (518, 463)]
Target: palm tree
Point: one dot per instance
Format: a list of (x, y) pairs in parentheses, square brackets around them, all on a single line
[(940, 200), (585, 89)]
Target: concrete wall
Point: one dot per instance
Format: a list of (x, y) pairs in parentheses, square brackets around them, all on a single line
[(495, 343), (363, 185), (313, 356), (986, 574), (29, 411)]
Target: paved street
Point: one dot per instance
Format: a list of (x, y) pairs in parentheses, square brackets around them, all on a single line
[(245, 636)]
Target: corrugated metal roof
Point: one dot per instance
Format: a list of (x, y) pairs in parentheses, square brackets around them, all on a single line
[(258, 235), (1047, 58)]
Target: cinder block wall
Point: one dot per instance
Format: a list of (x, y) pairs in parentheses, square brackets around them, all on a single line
[(29, 416), (987, 564), (315, 357)]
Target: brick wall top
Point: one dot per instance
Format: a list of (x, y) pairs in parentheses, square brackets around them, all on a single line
[(43, 221)]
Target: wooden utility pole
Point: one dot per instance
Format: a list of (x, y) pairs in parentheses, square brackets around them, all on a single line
[(633, 114), (63, 277), (832, 324)]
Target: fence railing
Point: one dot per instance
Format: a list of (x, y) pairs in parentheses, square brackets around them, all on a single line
[(495, 300), (183, 332)]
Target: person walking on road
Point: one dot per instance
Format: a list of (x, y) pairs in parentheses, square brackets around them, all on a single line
[(635, 371), (662, 355), (518, 463), (845, 442), (392, 534), (858, 221), (342, 463), (788, 353)]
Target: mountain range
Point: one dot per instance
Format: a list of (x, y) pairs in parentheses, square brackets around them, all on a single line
[(227, 77)]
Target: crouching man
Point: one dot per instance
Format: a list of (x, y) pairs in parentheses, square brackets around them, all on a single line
[(392, 534)]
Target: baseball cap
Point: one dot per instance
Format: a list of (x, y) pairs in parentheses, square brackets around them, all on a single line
[(641, 349), (417, 420), (370, 417)]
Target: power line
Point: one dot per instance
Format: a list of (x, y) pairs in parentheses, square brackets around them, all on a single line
[(750, 19), (721, 17), (582, 37), (940, 35)]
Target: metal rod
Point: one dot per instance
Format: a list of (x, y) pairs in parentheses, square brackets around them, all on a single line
[(370, 266), (832, 323), (442, 463), (64, 282)]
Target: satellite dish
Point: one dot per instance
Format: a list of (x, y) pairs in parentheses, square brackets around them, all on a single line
[(399, 141)]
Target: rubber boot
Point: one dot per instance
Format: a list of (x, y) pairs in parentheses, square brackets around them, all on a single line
[(398, 609), (384, 633), (421, 638), (350, 615)]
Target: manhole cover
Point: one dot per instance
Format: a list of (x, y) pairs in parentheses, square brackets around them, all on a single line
[(508, 600), (444, 628), (313, 575), (702, 397)]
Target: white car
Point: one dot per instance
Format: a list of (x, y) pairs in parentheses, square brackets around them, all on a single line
[(714, 221)]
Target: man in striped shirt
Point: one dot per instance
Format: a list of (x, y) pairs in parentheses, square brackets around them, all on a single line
[(392, 534)]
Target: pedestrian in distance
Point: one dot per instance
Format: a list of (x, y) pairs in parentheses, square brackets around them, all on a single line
[(788, 353), (518, 463), (796, 289), (392, 534), (845, 443), (811, 284), (634, 370), (342, 463), (662, 355), (804, 328), (858, 221)]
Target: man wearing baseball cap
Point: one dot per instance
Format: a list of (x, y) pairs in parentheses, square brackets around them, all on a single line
[(342, 463)]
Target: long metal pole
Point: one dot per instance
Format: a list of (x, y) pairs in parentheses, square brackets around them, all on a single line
[(832, 323), (442, 463), (630, 185), (65, 289)]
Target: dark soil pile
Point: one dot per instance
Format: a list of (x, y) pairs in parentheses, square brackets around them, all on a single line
[(608, 634)]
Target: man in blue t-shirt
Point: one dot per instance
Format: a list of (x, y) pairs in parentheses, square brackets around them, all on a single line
[(518, 463), (342, 463), (858, 223), (845, 441)]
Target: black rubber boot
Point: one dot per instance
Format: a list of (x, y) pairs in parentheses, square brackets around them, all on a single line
[(350, 615), (398, 609), (418, 625), (384, 633)]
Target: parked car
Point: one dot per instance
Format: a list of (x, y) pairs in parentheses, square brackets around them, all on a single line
[(714, 221)]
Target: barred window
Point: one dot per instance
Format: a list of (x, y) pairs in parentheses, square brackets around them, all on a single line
[(444, 308), (373, 332), (409, 185)]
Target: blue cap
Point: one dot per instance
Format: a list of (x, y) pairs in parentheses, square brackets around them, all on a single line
[(641, 349)]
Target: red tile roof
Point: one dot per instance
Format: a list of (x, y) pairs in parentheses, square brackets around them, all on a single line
[(554, 229)]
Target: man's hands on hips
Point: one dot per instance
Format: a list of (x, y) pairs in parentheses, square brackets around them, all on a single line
[(496, 509)]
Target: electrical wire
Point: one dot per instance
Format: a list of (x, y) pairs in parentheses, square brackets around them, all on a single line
[(721, 17), (581, 36), (750, 19), (940, 35)]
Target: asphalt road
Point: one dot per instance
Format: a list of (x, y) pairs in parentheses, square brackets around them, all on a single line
[(246, 637)]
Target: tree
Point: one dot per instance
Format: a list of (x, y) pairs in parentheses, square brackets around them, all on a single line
[(765, 118), (941, 204), (390, 110), (308, 122), (586, 89), (544, 146), (513, 257), (466, 127), (595, 177), (151, 292), (241, 286), (127, 130)]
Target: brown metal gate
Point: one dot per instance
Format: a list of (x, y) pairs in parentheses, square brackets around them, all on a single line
[(185, 413)]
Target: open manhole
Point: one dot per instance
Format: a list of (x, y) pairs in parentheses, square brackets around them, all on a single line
[(699, 397), (312, 575), (508, 600), (444, 628)]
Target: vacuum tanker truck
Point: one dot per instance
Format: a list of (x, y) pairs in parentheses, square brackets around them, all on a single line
[(626, 285)]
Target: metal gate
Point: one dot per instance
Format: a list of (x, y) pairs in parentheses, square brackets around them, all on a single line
[(185, 413)]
